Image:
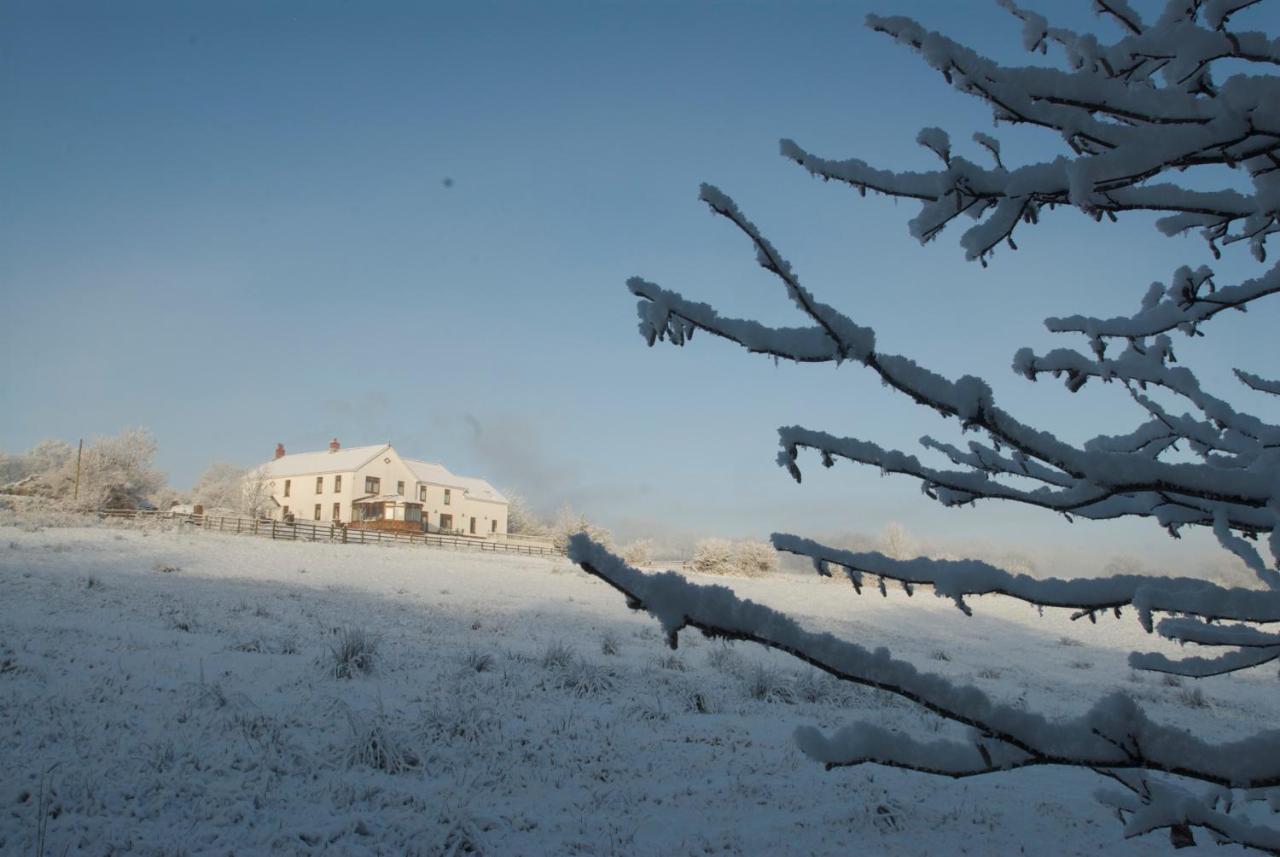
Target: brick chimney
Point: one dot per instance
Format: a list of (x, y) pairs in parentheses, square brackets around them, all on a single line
[(279, 450), (334, 446)]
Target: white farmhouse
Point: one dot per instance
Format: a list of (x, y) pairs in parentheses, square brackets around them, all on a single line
[(375, 487)]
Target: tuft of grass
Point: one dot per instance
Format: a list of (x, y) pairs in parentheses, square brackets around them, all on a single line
[(767, 685), (477, 661), (356, 653), (557, 656), (374, 745), (1069, 641), (814, 686), (610, 644), (697, 700), (939, 655), (179, 619), (455, 721), (1171, 680), (649, 710), (92, 582), (1193, 697), (989, 673), (724, 658), (165, 568), (673, 662), (583, 679), (1081, 665)]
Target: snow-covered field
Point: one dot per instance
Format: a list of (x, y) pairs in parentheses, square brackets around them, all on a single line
[(168, 692)]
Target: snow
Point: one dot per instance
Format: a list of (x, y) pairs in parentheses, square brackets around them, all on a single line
[(307, 463), (168, 690)]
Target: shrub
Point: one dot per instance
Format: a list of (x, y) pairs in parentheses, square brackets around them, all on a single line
[(713, 556), (755, 559)]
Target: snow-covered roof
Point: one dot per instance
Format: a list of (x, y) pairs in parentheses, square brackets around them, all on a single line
[(305, 463), (478, 489), (436, 474)]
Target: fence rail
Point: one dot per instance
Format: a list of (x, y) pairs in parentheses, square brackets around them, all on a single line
[(311, 532)]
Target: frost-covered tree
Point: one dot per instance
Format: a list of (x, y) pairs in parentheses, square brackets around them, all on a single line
[(569, 523), (221, 486), (256, 498), (40, 470), (228, 487), (521, 519), (1149, 122), (637, 552), (116, 472)]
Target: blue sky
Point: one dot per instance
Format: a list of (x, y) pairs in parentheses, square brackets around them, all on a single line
[(242, 223)]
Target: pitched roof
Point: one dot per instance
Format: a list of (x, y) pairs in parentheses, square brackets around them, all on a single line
[(478, 489), (305, 463), (436, 474)]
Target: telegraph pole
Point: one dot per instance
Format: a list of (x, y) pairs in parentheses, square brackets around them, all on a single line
[(79, 453)]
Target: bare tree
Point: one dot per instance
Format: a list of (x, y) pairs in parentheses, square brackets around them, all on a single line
[(1134, 114)]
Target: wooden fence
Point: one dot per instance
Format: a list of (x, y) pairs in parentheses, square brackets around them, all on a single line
[(313, 532)]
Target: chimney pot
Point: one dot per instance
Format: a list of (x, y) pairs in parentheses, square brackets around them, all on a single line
[(334, 446), (279, 450)]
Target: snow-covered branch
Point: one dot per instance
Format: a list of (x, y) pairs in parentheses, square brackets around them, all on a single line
[(1135, 115), (1115, 733)]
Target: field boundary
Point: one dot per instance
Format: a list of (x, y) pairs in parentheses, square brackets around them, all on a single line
[(336, 533)]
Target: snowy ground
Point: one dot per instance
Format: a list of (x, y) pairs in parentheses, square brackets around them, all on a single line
[(172, 692)]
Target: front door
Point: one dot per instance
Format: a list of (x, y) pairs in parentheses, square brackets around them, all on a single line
[(473, 526)]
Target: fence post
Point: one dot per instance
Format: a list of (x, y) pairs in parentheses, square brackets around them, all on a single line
[(273, 529)]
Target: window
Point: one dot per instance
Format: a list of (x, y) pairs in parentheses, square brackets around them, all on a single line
[(446, 496), (400, 488), (493, 526), (372, 485), (337, 484), (284, 510), (413, 512), (337, 512), (319, 484), (446, 522), (473, 526), (287, 483), (422, 493), (317, 511)]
